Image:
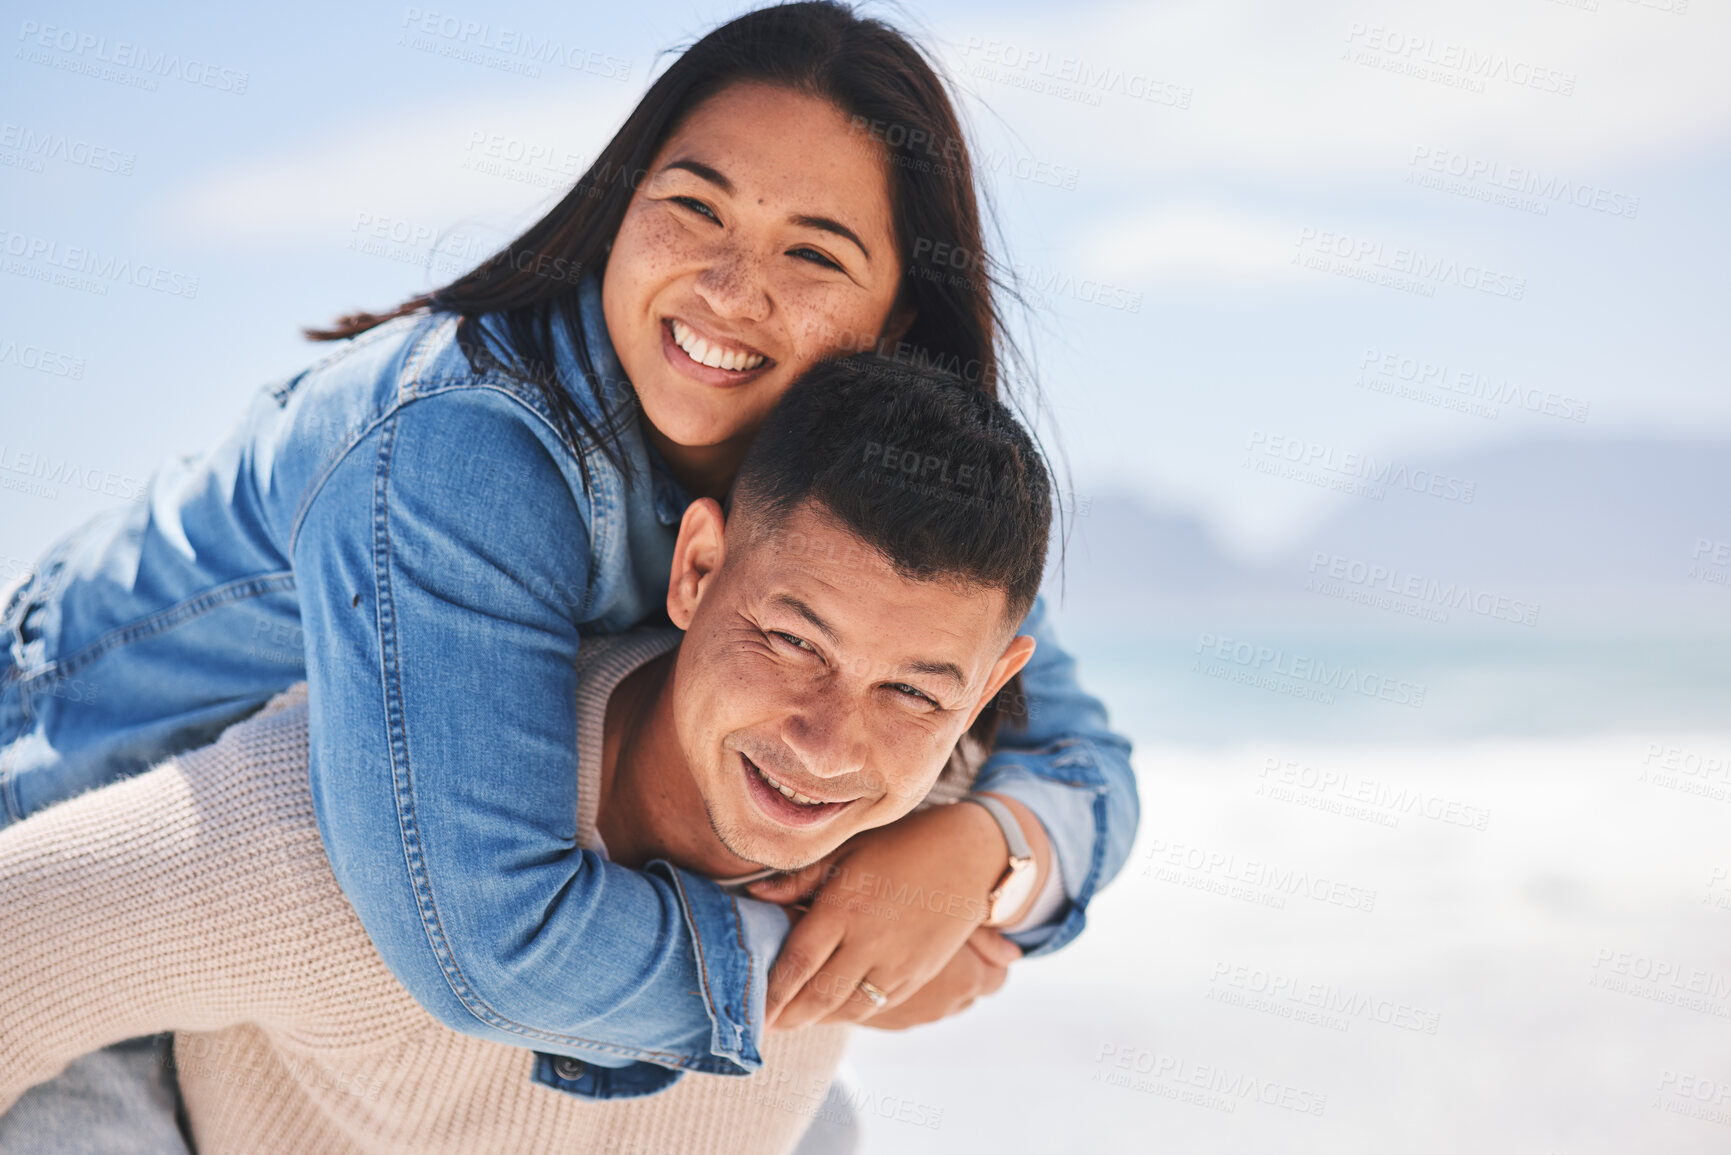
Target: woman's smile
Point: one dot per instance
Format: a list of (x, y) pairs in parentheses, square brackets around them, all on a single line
[(711, 359)]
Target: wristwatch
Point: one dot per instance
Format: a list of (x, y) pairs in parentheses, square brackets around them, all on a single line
[(1016, 884)]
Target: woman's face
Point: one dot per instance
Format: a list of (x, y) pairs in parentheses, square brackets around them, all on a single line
[(760, 241)]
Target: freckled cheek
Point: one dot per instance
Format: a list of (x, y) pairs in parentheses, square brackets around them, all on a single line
[(824, 326), (649, 252)]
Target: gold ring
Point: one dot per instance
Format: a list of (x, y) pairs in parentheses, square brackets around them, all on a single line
[(878, 998)]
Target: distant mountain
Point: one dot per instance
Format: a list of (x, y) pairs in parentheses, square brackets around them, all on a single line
[(1122, 541), (1555, 514), (1607, 525)]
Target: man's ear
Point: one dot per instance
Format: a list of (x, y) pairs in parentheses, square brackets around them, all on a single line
[(697, 558), (1015, 656)]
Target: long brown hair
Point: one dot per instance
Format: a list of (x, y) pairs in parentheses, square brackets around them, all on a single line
[(893, 96)]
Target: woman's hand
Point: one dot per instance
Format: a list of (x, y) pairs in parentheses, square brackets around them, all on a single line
[(893, 906), (979, 968)]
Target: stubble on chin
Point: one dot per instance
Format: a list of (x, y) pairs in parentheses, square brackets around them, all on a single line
[(752, 848)]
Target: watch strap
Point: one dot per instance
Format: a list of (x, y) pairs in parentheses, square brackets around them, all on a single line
[(1018, 842)]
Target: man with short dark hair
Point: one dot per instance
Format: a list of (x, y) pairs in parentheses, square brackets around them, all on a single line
[(845, 625)]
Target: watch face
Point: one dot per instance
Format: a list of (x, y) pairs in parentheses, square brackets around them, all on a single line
[(1013, 891)]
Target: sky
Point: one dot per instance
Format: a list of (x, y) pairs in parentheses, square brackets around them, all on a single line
[(1404, 230)]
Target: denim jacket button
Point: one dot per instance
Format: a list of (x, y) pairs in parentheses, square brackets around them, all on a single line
[(568, 1068)]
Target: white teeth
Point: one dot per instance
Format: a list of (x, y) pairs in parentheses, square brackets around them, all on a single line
[(793, 794), (715, 356)]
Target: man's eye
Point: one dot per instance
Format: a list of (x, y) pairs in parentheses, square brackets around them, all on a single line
[(791, 639), (910, 692), (814, 257), (696, 206)]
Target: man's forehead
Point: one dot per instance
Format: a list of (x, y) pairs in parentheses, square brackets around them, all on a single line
[(812, 566), (811, 538)]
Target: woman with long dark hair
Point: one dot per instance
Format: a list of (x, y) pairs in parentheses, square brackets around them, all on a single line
[(424, 525)]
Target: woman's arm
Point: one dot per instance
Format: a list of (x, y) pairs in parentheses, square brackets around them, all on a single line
[(443, 568), (1073, 772)]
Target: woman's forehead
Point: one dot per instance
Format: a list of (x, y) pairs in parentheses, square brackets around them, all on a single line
[(774, 143)]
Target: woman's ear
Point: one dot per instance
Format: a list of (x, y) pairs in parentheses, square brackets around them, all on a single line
[(697, 558), (901, 319)]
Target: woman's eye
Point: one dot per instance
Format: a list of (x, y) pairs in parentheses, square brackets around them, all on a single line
[(814, 257), (696, 206)]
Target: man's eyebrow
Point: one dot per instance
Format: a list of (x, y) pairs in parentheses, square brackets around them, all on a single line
[(946, 670), (699, 169), (827, 225), (809, 614)]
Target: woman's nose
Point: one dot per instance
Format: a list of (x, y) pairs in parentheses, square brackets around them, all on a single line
[(732, 285)]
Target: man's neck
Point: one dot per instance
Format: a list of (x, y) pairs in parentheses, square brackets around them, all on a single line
[(650, 805)]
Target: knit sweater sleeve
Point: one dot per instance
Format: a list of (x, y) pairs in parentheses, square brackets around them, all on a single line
[(184, 898)]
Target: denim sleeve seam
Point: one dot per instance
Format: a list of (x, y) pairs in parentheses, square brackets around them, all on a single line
[(403, 788), (697, 937), (304, 506), (166, 619), (361, 434)]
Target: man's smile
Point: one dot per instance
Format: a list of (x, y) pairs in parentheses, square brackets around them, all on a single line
[(784, 804)]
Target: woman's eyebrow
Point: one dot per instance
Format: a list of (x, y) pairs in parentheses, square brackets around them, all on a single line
[(699, 169), (832, 226), (824, 224)]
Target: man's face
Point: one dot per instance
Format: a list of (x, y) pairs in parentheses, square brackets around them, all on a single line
[(811, 667)]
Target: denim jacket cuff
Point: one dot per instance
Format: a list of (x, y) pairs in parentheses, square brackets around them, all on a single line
[(1072, 806), (736, 941)]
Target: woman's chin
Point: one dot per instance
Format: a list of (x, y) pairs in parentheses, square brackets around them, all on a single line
[(689, 423)]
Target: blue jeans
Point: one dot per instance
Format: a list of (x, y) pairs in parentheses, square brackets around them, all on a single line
[(124, 1100)]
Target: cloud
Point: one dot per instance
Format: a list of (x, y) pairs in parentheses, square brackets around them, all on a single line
[(425, 169), (1273, 99), (1284, 91)]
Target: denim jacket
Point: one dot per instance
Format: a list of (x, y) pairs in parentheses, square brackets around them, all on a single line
[(414, 539)]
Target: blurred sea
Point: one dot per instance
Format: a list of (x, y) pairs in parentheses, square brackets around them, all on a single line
[(1175, 688)]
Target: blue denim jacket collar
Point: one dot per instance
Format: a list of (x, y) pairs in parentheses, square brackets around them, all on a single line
[(614, 388)]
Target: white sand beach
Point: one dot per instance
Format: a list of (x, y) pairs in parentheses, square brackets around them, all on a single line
[(1504, 946)]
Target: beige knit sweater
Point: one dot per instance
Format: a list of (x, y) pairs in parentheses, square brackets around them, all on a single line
[(197, 897)]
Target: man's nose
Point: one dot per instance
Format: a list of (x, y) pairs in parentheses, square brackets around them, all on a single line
[(824, 730), (732, 285)]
